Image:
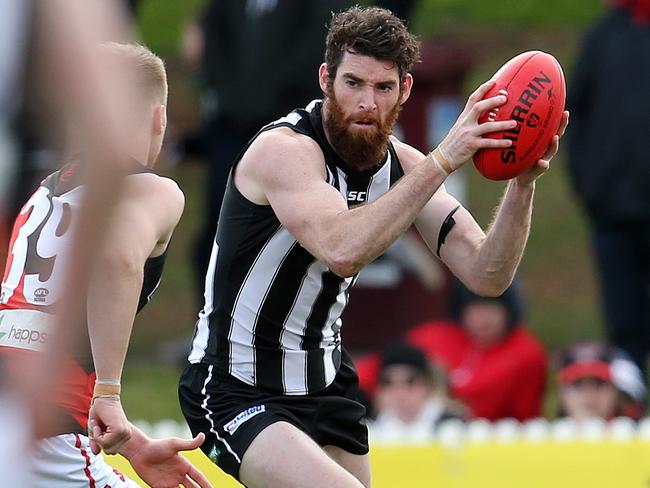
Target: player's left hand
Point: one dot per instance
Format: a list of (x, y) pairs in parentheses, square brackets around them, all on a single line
[(543, 164), (108, 427), (160, 464)]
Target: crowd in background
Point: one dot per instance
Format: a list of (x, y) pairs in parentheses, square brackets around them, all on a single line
[(468, 357)]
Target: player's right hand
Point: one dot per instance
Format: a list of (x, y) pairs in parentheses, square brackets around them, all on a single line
[(466, 135), (108, 427)]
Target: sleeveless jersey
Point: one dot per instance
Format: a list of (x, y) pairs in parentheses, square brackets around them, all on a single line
[(272, 313), (39, 252)]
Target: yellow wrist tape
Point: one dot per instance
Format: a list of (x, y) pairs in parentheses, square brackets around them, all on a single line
[(106, 390)]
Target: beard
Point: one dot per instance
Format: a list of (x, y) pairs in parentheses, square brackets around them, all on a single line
[(360, 148)]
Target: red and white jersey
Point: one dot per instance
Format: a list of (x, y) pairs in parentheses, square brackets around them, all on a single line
[(38, 250), (33, 283)]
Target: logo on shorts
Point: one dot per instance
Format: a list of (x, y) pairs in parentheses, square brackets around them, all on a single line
[(214, 455), (242, 417)]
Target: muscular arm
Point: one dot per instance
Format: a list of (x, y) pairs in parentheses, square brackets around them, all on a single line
[(140, 227), (486, 263), (287, 171), (316, 213)]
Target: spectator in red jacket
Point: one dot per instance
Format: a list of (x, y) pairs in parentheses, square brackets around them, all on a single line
[(496, 367)]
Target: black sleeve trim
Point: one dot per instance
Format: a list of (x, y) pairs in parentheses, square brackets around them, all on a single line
[(445, 229)]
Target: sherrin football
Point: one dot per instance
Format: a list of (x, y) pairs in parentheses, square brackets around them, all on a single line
[(536, 96)]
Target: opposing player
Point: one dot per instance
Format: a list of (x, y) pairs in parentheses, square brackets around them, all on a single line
[(314, 197), (126, 272)]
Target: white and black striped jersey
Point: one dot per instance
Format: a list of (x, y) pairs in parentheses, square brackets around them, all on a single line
[(272, 314)]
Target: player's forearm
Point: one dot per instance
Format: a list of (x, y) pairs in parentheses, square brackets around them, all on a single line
[(498, 256), (112, 303), (360, 235)]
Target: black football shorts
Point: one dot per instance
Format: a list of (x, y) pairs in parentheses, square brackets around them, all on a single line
[(231, 413)]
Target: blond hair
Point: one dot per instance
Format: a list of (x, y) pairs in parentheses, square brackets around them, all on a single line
[(148, 68)]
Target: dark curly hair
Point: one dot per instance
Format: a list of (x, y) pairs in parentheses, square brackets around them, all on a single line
[(372, 32)]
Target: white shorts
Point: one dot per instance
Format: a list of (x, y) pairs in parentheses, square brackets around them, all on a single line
[(66, 461)]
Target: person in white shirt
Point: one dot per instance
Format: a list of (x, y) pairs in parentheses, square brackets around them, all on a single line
[(409, 401)]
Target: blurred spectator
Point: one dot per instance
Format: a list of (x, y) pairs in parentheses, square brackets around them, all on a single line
[(409, 401), (609, 165), (257, 58), (38, 134), (495, 365), (600, 381), (53, 37)]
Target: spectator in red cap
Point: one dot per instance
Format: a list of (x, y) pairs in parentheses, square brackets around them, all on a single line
[(600, 381), (496, 367)]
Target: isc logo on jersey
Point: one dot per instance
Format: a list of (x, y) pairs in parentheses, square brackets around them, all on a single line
[(357, 196), (242, 417)]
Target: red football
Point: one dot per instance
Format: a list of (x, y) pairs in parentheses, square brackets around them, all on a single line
[(536, 95)]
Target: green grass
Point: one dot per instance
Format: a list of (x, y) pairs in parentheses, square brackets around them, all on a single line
[(151, 391), (161, 22), (435, 17)]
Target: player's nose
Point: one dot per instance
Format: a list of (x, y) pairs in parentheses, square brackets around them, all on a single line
[(368, 101)]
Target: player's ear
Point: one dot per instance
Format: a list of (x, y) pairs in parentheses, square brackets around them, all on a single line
[(159, 119), (407, 84), (323, 77)]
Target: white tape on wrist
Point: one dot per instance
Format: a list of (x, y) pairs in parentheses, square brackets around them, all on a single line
[(442, 160), (438, 165), (108, 382)]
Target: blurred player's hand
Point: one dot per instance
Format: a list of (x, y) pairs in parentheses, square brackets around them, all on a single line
[(159, 462), (108, 427)]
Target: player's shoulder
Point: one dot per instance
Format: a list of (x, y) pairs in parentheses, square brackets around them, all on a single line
[(155, 188), (283, 151), (285, 141)]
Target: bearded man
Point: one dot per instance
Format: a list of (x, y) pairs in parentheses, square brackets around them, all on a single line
[(313, 198)]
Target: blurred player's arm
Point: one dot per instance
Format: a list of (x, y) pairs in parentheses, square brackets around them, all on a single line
[(485, 262), (140, 227)]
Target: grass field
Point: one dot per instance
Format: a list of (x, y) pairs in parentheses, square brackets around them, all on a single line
[(556, 269)]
